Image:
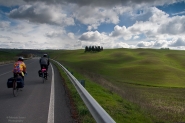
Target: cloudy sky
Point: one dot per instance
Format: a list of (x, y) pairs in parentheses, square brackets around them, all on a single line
[(74, 24)]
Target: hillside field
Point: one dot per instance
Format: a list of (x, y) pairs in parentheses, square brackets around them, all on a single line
[(152, 79)]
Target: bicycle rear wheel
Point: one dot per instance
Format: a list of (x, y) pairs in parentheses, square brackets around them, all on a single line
[(43, 80), (15, 89)]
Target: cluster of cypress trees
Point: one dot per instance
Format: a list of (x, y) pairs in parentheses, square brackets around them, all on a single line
[(93, 49)]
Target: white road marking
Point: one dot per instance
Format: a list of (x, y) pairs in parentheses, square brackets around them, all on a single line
[(12, 69), (6, 64), (6, 73), (52, 99)]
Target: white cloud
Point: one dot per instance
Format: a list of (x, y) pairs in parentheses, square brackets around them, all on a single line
[(136, 37), (94, 16), (160, 43), (4, 24), (42, 24), (11, 2), (92, 36), (5, 37), (145, 44), (178, 42), (148, 25), (71, 35), (118, 31), (42, 13), (173, 26), (119, 45), (101, 39), (107, 3), (121, 32), (159, 26), (35, 36), (54, 34), (157, 16), (178, 13)]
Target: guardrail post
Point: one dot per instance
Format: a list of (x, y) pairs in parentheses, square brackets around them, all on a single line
[(82, 82), (72, 73)]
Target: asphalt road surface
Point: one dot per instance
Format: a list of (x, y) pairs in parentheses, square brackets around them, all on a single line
[(38, 102)]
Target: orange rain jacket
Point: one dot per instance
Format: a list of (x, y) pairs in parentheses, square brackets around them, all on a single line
[(22, 67)]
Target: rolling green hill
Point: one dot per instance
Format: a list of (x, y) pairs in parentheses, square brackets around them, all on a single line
[(137, 66), (153, 80), (8, 55)]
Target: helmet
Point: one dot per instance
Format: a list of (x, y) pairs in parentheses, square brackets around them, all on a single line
[(21, 59), (45, 55)]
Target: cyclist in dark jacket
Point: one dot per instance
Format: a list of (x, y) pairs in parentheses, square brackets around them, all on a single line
[(44, 62)]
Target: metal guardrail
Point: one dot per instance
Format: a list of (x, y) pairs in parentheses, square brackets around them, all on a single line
[(99, 114)]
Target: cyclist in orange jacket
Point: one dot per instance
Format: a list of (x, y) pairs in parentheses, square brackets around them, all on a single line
[(20, 67)]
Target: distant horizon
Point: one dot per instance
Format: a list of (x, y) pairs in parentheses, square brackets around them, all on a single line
[(84, 48)]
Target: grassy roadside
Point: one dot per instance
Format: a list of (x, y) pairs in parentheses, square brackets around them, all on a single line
[(11, 55), (118, 108), (77, 105), (153, 80), (7, 56)]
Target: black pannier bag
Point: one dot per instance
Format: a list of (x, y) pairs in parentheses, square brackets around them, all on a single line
[(10, 82), (45, 74), (20, 82), (40, 73)]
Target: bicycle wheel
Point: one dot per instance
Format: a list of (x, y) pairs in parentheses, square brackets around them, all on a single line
[(15, 89), (43, 79)]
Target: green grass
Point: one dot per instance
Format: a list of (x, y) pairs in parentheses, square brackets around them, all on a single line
[(77, 105), (11, 55), (151, 82), (118, 108), (149, 67), (8, 55)]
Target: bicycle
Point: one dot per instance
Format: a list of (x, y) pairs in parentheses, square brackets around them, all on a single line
[(15, 85), (44, 74)]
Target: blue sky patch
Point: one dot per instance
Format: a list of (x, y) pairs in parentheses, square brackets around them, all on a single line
[(7, 9), (173, 9)]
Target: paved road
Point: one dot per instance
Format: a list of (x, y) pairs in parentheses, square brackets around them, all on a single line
[(38, 102)]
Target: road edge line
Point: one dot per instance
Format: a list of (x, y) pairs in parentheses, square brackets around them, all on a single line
[(52, 99)]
